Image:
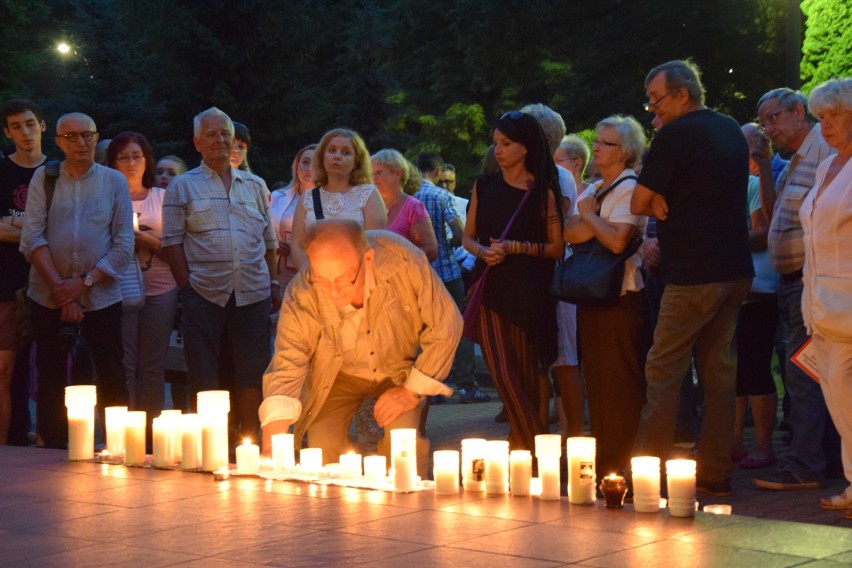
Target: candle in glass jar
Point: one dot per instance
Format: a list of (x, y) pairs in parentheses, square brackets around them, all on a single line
[(520, 472), (614, 489), (114, 418), (548, 472), (310, 460), (375, 468), (162, 436), (173, 424), (497, 467), (134, 438), (80, 401), (248, 458), (213, 407), (581, 470), (190, 433), (646, 483), (680, 480), (350, 465), (473, 452), (446, 472), (283, 453)]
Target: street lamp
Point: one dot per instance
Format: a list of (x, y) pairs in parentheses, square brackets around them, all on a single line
[(63, 48)]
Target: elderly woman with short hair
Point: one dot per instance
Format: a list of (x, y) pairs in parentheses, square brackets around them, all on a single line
[(826, 216), (613, 335)]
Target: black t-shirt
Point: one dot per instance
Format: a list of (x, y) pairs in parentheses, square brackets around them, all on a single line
[(14, 181), (699, 163)]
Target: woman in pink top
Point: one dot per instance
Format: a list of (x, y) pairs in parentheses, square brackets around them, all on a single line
[(395, 177), (146, 332)]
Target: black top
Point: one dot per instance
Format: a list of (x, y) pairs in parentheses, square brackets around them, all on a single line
[(699, 163), (517, 289), (14, 181)]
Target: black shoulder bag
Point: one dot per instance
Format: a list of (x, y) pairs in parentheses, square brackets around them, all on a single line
[(593, 273)]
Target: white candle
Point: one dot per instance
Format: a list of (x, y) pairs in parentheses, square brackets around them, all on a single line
[(248, 458), (497, 467), (135, 222), (134, 438), (535, 486), (581, 470), (334, 470), (115, 417), (473, 464), (283, 454), (190, 432), (310, 459), (173, 421), (680, 480), (548, 445), (520, 472), (375, 468), (548, 472), (213, 407), (350, 465), (404, 458), (646, 484), (446, 472), (80, 401), (162, 437)]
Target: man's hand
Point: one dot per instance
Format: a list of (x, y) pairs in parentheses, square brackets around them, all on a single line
[(276, 427), (71, 312), (650, 251), (275, 293), (68, 290), (393, 403)]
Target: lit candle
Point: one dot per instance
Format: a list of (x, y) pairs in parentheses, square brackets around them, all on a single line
[(646, 484), (248, 458), (135, 222), (535, 486), (190, 433), (718, 509), (680, 480), (173, 424), (283, 454), (114, 418), (80, 401), (162, 437), (134, 438), (310, 459), (350, 465), (375, 468), (548, 451), (614, 489), (497, 467), (473, 464), (520, 472), (404, 459), (222, 474), (333, 470), (213, 407), (446, 472), (581, 470)]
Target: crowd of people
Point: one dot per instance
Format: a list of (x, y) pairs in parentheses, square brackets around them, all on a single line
[(357, 271)]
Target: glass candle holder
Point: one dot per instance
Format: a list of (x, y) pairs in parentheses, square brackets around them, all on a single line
[(614, 488)]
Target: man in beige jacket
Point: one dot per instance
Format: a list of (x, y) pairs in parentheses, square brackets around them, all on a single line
[(368, 316)]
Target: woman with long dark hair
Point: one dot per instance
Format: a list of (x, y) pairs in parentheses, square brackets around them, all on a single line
[(517, 319)]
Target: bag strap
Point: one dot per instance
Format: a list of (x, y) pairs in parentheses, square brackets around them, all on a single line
[(317, 204), (51, 174), (515, 214), (600, 196)]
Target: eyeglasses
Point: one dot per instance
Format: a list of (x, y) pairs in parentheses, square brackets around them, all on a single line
[(512, 115), (72, 137), (130, 159), (770, 119), (340, 284), (649, 105), (446, 182), (605, 143)]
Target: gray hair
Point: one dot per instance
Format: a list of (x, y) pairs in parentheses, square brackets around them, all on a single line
[(77, 116), (212, 111), (576, 147), (630, 134), (550, 121), (680, 74), (410, 181), (788, 98), (834, 94)]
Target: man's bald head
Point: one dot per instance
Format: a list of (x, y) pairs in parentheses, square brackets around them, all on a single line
[(337, 234), (76, 118)]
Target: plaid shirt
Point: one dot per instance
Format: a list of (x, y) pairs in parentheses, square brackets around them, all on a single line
[(442, 211), (225, 235), (786, 238)]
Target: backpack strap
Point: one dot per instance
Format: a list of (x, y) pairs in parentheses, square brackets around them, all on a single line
[(51, 174)]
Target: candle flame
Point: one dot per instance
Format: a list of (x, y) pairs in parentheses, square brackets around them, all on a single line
[(246, 441), (612, 476)]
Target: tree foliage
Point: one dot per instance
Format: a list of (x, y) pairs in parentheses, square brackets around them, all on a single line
[(828, 41)]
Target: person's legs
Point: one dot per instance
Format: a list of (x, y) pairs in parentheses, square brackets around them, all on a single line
[(19, 422), (102, 329), (248, 334), (463, 372), (835, 373), (130, 338), (8, 346), (717, 370), (330, 429), (203, 324), (566, 369), (52, 365)]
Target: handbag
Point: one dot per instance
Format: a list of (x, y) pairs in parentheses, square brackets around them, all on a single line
[(132, 286), (473, 299), (593, 273)]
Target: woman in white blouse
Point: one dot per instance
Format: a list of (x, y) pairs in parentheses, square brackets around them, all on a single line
[(826, 216), (343, 178), (282, 209)]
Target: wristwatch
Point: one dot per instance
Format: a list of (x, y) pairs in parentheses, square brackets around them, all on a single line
[(87, 280)]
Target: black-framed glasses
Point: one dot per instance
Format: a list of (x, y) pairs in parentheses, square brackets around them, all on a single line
[(512, 115), (649, 105), (72, 137), (446, 182), (339, 283)]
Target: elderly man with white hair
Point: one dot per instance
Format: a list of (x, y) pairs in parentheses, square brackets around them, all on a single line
[(221, 248)]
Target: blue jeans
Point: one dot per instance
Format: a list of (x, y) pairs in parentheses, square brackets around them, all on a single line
[(807, 405), (463, 373), (205, 323), (701, 317)]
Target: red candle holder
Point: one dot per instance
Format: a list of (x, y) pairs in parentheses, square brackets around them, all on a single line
[(614, 488)]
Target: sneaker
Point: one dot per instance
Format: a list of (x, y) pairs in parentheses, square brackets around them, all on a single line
[(784, 481), (467, 396), (721, 488)]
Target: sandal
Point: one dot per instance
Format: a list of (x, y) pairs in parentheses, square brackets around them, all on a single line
[(842, 501)]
